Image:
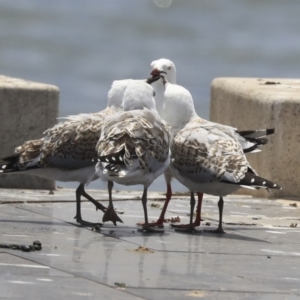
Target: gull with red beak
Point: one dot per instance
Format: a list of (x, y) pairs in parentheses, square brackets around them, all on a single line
[(166, 68), (251, 140)]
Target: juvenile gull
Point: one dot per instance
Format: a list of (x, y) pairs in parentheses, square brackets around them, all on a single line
[(134, 145), (206, 157), (250, 140), (67, 150)]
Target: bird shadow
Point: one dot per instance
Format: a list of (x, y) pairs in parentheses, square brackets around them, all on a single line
[(227, 235), (127, 231)]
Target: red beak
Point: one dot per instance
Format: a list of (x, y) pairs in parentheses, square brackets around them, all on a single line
[(156, 72)]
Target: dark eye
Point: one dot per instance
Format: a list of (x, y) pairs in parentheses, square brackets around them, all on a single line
[(153, 93), (169, 68)]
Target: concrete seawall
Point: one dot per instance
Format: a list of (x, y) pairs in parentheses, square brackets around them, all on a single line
[(249, 103), (26, 110)]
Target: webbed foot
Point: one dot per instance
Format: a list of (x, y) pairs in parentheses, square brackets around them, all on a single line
[(111, 215), (100, 207)]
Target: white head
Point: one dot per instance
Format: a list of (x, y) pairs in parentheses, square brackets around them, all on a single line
[(116, 93), (164, 67), (138, 95)]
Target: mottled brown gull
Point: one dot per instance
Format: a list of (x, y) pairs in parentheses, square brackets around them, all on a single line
[(67, 150), (134, 145)]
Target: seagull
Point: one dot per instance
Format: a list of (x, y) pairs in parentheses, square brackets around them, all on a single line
[(134, 145), (250, 140), (207, 157), (67, 150)]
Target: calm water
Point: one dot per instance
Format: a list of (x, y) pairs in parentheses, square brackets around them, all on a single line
[(82, 46)]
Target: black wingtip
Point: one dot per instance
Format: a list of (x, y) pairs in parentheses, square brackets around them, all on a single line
[(254, 181), (9, 164), (257, 181), (256, 134), (112, 168), (256, 137), (270, 131), (114, 158)]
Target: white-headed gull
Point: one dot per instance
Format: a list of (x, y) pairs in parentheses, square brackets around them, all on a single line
[(206, 157), (134, 145), (250, 140)]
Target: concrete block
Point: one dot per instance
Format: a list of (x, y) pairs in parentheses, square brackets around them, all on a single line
[(26, 110), (249, 103)]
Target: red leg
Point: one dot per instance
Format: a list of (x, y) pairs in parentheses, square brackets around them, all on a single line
[(160, 220), (198, 215)]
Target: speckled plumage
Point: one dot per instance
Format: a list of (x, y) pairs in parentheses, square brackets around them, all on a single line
[(142, 134), (73, 139), (202, 149), (67, 150), (204, 152), (134, 147), (208, 157)]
